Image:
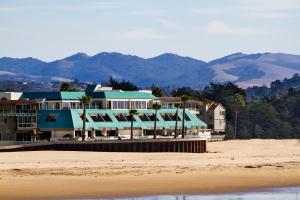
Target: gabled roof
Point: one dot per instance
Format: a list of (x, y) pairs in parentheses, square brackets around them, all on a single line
[(91, 88), (63, 119)]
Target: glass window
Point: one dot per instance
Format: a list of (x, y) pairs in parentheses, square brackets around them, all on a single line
[(138, 105), (51, 118), (101, 118), (98, 133), (86, 119), (3, 120)]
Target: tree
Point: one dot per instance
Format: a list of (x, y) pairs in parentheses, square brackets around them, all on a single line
[(184, 99), (183, 91), (276, 86), (177, 105), (122, 85), (85, 100), (156, 107), (156, 91), (237, 102), (132, 113), (66, 86)]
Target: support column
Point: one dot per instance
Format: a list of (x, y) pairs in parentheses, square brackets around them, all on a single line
[(104, 132), (33, 137), (93, 133), (52, 135)]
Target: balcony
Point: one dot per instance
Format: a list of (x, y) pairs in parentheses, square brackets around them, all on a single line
[(26, 126), (17, 113)]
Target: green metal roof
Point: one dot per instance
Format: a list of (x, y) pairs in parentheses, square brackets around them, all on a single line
[(110, 94), (91, 88), (41, 95), (52, 95), (63, 119), (117, 94), (71, 95), (72, 119)]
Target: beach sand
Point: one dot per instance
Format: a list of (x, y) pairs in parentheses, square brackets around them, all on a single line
[(229, 166)]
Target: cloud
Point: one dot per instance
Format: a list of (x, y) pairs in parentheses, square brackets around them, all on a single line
[(220, 28), (63, 6), (142, 34), (255, 9), (153, 12), (168, 24)]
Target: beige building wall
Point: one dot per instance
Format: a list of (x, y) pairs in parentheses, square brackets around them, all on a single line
[(219, 118), (126, 132), (8, 130), (60, 134), (10, 95)]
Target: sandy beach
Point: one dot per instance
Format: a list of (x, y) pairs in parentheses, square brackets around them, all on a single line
[(229, 166)]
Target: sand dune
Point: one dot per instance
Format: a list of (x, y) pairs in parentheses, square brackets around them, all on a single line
[(228, 166)]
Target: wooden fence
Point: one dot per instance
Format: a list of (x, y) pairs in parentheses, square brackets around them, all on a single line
[(146, 145)]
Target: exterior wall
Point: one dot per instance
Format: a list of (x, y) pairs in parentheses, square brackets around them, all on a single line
[(110, 101), (219, 119), (126, 132), (60, 134), (10, 95), (8, 130)]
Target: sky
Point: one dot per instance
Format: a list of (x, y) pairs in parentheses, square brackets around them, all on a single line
[(206, 30)]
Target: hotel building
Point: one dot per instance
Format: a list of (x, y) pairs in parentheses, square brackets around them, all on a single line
[(59, 115)]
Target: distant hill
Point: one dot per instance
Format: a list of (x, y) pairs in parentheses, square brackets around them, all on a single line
[(164, 70)]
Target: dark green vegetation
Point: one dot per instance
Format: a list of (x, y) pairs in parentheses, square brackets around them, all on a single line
[(276, 88), (276, 115)]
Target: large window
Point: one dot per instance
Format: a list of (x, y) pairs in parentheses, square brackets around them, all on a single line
[(3, 120), (51, 118), (100, 118), (120, 105), (138, 105), (148, 117)]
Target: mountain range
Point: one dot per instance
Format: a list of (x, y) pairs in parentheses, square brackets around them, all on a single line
[(163, 70)]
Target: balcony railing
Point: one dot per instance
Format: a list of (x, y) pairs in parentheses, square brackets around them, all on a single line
[(15, 113)]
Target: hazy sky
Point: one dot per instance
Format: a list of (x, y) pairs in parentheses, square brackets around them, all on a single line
[(204, 29)]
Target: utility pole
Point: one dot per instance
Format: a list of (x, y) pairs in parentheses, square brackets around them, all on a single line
[(235, 123)]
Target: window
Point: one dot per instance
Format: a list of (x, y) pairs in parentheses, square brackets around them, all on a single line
[(22, 108), (222, 112), (3, 120), (220, 122), (120, 105), (166, 117), (100, 118), (121, 118), (77, 133), (147, 117), (128, 117), (98, 133), (144, 117), (86, 119), (187, 118), (51, 118), (57, 106), (138, 105)]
